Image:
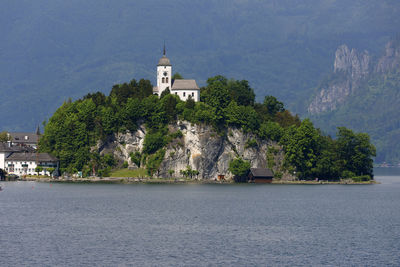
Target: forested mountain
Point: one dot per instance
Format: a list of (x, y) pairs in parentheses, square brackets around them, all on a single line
[(54, 49), (363, 93)]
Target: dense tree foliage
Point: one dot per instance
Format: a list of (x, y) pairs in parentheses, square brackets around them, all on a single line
[(312, 155), (240, 169), (74, 131), (4, 137)]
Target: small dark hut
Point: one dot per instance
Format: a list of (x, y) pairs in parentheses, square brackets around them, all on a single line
[(260, 175)]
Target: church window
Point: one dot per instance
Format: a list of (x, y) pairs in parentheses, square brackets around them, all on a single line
[(163, 80), (176, 93), (166, 80), (184, 93), (192, 93)]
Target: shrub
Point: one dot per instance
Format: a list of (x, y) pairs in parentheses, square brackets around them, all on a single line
[(136, 158), (240, 169), (154, 161), (362, 178), (251, 143)]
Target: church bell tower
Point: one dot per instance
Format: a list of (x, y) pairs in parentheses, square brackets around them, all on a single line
[(164, 74)]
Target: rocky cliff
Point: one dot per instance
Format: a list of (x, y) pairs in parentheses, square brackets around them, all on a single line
[(391, 59), (351, 70), (202, 149)]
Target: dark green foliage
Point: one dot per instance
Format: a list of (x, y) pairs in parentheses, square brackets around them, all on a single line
[(273, 105), (134, 89), (154, 161), (136, 158), (153, 142), (177, 134), (271, 131), (75, 129), (165, 92), (177, 76), (302, 147), (189, 172), (251, 143), (241, 92), (316, 156), (240, 169), (356, 152)]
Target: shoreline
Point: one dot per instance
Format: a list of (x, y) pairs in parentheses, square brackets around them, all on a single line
[(131, 180)]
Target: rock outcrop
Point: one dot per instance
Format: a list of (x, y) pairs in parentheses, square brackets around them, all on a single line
[(201, 149), (351, 69), (391, 60)]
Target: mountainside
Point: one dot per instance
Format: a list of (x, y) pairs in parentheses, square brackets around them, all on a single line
[(53, 50), (363, 95)]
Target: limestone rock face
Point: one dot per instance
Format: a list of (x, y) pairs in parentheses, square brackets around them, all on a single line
[(391, 60), (201, 148), (350, 69), (122, 145)]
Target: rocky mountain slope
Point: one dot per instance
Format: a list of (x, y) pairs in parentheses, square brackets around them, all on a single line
[(363, 94), (201, 148), (53, 50), (350, 70)]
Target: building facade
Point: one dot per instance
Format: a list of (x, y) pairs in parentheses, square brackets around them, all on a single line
[(23, 163), (183, 88)]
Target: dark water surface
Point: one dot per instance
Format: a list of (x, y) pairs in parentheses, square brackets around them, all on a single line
[(45, 224)]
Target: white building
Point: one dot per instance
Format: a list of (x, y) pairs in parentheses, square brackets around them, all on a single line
[(22, 160), (183, 88), (25, 163)]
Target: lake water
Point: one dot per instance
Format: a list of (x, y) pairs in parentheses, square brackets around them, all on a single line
[(44, 224)]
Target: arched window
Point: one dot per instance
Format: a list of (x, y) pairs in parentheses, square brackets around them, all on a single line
[(184, 94), (163, 80), (166, 80)]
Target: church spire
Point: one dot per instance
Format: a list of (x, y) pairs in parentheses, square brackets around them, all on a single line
[(164, 49)]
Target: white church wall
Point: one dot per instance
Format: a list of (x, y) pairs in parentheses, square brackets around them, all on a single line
[(184, 94), (160, 75)]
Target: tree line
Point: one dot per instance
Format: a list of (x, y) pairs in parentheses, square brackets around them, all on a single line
[(77, 127)]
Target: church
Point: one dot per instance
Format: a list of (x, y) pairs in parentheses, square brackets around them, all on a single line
[(183, 88)]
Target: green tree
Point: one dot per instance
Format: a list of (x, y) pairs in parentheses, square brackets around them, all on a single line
[(240, 169), (177, 76), (302, 148), (273, 105), (241, 92), (165, 92), (38, 169), (4, 137), (356, 151)]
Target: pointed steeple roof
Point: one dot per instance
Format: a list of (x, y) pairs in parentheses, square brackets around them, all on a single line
[(37, 130), (164, 61)]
